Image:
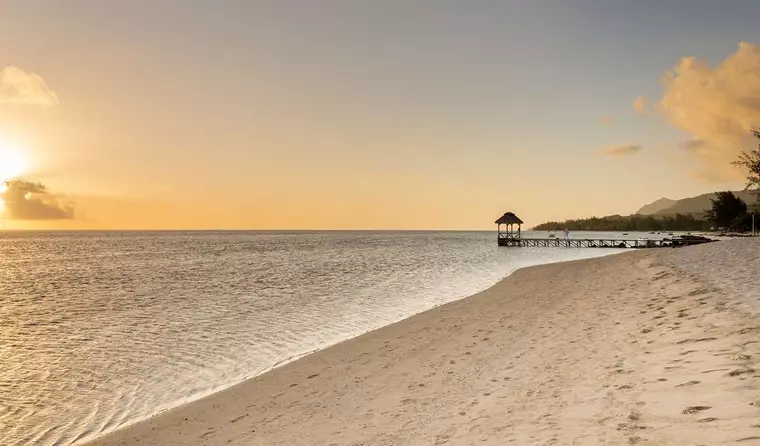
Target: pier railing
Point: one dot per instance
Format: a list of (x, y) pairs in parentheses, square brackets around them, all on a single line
[(599, 243)]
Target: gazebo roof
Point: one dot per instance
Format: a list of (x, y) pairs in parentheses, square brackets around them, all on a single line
[(508, 219)]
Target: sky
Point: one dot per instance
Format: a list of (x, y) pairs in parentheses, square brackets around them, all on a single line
[(367, 114)]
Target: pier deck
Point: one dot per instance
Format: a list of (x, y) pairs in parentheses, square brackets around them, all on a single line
[(600, 243)]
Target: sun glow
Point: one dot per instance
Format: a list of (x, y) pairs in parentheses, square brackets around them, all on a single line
[(12, 162)]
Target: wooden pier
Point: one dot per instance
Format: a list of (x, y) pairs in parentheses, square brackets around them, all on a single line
[(512, 236), (675, 242)]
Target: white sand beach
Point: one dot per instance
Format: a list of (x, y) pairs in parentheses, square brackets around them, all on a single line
[(647, 347)]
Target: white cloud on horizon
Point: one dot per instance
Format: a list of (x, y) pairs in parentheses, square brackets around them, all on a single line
[(20, 87)]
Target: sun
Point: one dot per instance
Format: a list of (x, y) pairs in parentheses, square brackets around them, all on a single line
[(12, 161)]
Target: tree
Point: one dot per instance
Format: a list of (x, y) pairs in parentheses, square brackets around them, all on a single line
[(678, 222), (750, 161), (727, 210)]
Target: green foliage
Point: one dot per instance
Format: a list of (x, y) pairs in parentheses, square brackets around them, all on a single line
[(744, 222), (750, 161), (728, 211), (678, 222)]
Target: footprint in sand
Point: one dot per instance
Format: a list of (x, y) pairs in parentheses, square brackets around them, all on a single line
[(207, 434), (658, 380), (689, 341), (695, 409), (742, 371), (445, 436), (688, 383), (235, 420)]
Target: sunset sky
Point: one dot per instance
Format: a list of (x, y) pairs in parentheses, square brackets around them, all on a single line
[(368, 115)]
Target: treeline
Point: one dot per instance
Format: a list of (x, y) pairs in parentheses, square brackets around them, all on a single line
[(729, 212), (677, 222)]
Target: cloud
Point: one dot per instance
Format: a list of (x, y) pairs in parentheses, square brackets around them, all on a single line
[(640, 105), (607, 121), (625, 149), (20, 87), (718, 106), (25, 200), (694, 145)]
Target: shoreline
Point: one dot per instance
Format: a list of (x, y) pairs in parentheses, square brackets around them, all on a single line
[(270, 408)]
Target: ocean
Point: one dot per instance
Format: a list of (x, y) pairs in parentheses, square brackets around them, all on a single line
[(102, 329)]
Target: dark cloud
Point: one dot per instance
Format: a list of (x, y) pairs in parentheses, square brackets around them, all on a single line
[(25, 200)]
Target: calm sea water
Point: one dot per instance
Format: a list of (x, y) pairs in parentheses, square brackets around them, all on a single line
[(101, 329)]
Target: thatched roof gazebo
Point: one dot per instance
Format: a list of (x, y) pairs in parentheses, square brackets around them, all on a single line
[(511, 235)]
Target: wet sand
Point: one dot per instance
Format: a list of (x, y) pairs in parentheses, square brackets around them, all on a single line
[(637, 348)]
